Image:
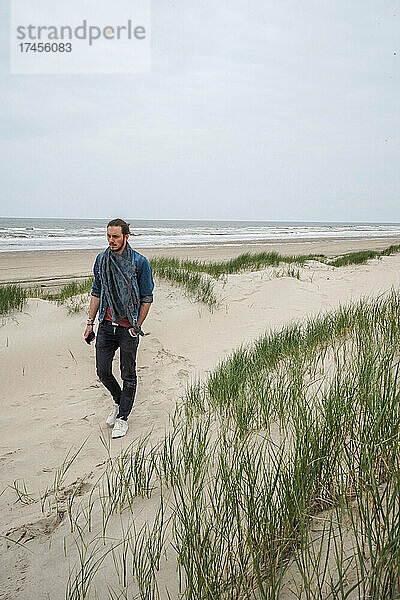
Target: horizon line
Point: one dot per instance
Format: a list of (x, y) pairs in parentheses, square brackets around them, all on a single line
[(211, 220)]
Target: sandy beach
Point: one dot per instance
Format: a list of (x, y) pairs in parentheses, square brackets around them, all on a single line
[(55, 267), (51, 401)]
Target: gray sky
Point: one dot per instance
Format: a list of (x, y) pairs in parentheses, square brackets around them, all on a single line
[(280, 110)]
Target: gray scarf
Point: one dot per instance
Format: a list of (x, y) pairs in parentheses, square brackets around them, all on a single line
[(117, 274)]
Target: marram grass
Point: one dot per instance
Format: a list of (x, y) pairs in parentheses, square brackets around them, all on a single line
[(278, 477), (12, 297), (335, 443), (193, 276), (256, 261), (74, 288), (362, 256), (194, 283)]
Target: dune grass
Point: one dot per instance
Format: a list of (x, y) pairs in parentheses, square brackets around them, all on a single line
[(190, 274), (73, 295), (362, 256), (193, 282), (244, 262), (193, 276), (279, 476), (12, 297), (256, 261), (297, 439), (74, 288)]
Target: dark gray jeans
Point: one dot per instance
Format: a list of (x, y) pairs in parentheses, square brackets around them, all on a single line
[(109, 338)]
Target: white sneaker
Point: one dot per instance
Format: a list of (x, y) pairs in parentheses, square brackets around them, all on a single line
[(112, 416), (120, 428)]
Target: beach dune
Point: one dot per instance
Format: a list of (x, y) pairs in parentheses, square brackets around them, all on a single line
[(52, 402)]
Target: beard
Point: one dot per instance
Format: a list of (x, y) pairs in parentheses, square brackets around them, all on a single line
[(118, 248)]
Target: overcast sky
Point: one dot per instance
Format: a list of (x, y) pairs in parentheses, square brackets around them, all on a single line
[(269, 110)]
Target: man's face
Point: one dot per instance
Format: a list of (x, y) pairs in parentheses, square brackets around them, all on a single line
[(116, 239)]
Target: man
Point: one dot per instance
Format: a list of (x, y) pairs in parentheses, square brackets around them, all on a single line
[(122, 293)]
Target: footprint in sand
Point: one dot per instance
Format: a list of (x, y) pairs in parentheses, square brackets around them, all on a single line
[(9, 455), (36, 529), (182, 373), (158, 384)]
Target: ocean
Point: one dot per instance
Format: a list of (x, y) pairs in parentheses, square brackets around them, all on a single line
[(64, 234)]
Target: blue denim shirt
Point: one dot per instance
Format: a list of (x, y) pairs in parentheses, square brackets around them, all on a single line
[(143, 282)]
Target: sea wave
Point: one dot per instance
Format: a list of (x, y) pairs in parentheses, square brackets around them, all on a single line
[(74, 234)]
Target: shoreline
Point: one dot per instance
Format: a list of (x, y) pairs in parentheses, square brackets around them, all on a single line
[(45, 267)]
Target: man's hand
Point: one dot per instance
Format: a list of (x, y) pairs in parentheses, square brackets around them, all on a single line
[(135, 330), (88, 330), (93, 309)]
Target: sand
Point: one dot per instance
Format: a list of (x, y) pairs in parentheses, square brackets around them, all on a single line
[(51, 401), (56, 267)]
